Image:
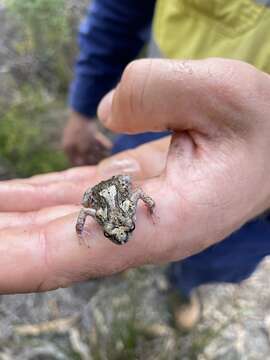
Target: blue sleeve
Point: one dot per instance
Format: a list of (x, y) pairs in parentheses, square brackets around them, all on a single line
[(112, 35)]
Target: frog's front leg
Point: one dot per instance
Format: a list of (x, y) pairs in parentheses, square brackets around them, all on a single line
[(82, 217), (87, 198), (139, 194)]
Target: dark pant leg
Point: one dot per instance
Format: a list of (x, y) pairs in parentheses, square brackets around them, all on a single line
[(231, 261), (125, 142)]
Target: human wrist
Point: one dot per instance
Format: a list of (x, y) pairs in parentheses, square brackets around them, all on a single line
[(80, 117), (79, 98)]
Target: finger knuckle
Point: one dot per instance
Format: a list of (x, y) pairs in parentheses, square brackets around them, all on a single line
[(133, 84)]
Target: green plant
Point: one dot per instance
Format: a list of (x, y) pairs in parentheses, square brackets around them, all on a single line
[(47, 36), (26, 136)]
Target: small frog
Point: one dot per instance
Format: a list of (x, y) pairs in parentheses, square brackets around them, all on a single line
[(113, 204)]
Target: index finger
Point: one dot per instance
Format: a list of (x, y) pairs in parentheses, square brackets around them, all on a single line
[(67, 187)]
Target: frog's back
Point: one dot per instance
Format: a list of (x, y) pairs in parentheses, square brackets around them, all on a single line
[(122, 184), (99, 201)]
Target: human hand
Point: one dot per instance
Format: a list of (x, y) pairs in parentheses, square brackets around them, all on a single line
[(83, 142), (217, 175), (209, 186)]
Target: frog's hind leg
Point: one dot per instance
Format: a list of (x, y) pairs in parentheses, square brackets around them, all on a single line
[(139, 194), (82, 217)]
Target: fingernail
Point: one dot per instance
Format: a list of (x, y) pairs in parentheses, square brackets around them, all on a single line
[(105, 107), (112, 167)]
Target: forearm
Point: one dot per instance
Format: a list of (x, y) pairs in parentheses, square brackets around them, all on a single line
[(111, 36)]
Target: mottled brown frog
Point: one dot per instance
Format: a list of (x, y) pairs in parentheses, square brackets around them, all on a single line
[(113, 204)]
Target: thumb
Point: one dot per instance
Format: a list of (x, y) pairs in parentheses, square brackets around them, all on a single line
[(156, 95)]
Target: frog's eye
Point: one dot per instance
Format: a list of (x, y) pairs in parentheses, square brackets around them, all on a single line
[(106, 234)]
